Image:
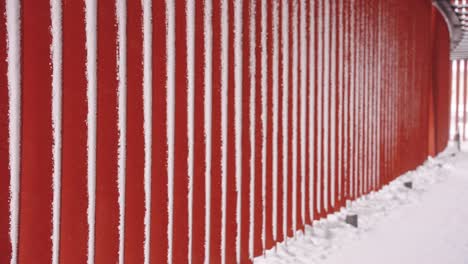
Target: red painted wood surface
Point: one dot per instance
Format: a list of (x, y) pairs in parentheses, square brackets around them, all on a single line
[(199, 226), (159, 242), (135, 162), (385, 68), (107, 138), (181, 232), (248, 75), (74, 219), (36, 134), (216, 141)]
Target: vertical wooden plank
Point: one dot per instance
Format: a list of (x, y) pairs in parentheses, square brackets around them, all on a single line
[(258, 204), (306, 42), (180, 232), (280, 121), (315, 19), (159, 242), (231, 205), (199, 203), (73, 223), (269, 128), (35, 244), (135, 162), (5, 246), (107, 207), (247, 80), (216, 138)]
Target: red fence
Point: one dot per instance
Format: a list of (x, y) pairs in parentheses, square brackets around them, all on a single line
[(206, 131)]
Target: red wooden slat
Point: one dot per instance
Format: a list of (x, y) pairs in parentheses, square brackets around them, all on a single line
[(36, 134), (231, 205), (216, 143), (269, 129), (199, 204), (281, 69), (159, 242), (246, 121), (135, 162), (181, 232), (258, 204), (73, 222), (107, 195)]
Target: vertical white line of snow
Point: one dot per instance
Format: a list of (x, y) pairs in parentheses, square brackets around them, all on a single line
[(56, 56), (170, 46), (147, 123), (454, 92), (238, 116), (121, 13), (351, 100), (319, 103), (190, 25), (461, 85), (275, 117), (303, 72), (224, 116), (294, 113), (208, 43), (333, 96), (91, 61), (326, 92), (285, 62), (345, 101), (14, 112), (379, 87), (312, 147), (264, 85), (252, 127), (341, 116)]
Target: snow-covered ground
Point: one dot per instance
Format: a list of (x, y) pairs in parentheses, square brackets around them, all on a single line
[(427, 224)]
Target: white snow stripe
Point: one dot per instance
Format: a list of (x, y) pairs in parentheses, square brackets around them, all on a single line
[(121, 11), (326, 92), (91, 50), (285, 82), (56, 56), (333, 95), (319, 103), (208, 47), (147, 122), (170, 68), (252, 70), (190, 24), (14, 112), (264, 115)]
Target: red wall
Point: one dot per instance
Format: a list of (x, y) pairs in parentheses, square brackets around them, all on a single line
[(210, 130)]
